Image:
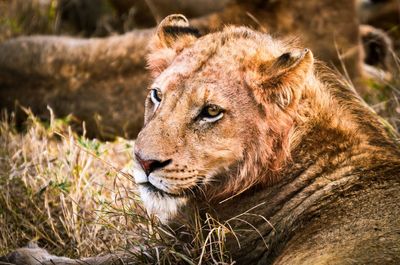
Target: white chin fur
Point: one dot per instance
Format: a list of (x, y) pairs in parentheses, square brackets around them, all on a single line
[(163, 206)]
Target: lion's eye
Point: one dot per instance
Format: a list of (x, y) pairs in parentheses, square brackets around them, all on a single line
[(211, 113), (155, 96)]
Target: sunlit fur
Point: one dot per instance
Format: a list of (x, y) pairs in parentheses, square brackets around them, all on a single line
[(251, 142)]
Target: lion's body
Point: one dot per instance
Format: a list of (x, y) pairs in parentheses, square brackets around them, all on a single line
[(248, 124), (337, 201), (322, 165)]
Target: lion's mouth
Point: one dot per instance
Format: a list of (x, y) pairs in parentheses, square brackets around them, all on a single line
[(151, 188)]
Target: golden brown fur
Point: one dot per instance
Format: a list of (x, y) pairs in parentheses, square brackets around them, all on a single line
[(294, 136), (295, 144)]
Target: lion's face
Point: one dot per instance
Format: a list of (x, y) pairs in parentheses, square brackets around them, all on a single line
[(196, 125), (205, 126)]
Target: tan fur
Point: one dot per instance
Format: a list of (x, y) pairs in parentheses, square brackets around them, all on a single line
[(295, 136), (278, 88)]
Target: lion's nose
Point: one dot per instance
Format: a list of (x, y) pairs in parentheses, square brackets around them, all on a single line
[(151, 165)]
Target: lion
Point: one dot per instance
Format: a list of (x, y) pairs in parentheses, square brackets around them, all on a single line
[(240, 122)]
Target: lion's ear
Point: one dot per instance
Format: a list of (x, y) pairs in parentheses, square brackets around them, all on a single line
[(173, 34), (292, 64), (281, 80)]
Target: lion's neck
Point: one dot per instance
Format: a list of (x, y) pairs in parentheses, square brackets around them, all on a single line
[(323, 164), (328, 149)]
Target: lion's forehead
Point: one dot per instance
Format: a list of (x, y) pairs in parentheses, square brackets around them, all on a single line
[(220, 55), (197, 70), (216, 61)]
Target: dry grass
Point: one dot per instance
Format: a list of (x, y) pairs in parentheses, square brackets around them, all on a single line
[(75, 197), (59, 191), (387, 95)]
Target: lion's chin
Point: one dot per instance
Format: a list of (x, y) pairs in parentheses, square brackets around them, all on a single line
[(164, 206)]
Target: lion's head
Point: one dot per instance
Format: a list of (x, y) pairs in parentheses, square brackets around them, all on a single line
[(219, 113)]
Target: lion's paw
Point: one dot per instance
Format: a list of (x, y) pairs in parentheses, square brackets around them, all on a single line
[(29, 255)]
